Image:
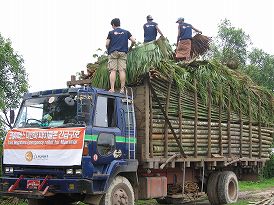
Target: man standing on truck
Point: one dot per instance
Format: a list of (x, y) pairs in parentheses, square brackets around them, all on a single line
[(150, 30), (184, 39), (117, 46)]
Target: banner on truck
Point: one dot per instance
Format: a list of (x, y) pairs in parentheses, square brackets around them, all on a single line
[(50, 147)]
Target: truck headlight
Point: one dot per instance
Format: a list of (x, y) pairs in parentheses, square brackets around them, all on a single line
[(78, 171), (69, 171), (9, 170)]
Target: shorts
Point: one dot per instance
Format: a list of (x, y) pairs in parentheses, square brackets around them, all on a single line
[(117, 61)]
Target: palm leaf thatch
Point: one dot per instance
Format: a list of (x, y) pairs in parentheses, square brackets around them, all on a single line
[(227, 85)]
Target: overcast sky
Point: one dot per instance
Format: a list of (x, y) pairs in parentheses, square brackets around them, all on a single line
[(57, 38)]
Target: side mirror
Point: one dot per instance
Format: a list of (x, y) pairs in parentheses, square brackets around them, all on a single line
[(12, 116)]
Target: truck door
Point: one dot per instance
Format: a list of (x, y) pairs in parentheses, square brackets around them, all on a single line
[(106, 131)]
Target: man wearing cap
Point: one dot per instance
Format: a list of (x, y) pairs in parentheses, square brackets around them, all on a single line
[(150, 30), (184, 39), (117, 47)]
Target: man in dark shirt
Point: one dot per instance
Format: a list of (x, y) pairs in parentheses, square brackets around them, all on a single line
[(184, 39), (117, 47), (150, 30)]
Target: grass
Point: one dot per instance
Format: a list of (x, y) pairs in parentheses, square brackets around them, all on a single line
[(262, 184), (241, 202)]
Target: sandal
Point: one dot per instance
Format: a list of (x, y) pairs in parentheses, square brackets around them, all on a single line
[(122, 91)]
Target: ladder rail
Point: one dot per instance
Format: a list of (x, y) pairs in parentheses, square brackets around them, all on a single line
[(134, 124), (130, 138)]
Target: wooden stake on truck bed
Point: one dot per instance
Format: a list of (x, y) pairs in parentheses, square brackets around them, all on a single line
[(166, 118), (166, 126), (209, 121), (195, 119)]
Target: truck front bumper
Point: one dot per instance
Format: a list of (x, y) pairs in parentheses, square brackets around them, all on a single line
[(49, 188)]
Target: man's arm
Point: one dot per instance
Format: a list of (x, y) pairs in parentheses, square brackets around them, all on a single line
[(159, 31), (107, 43), (133, 42), (198, 31)]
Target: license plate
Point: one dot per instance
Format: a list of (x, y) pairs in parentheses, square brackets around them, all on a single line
[(33, 184)]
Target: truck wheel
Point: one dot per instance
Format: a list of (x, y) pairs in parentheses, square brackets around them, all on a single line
[(228, 189), (120, 192), (37, 202), (162, 201), (212, 188)]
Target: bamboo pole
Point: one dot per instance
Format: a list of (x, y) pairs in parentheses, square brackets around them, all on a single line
[(180, 116), (209, 121), (228, 122), (150, 125), (259, 130), (250, 127), (220, 126), (166, 125), (146, 119), (195, 118)]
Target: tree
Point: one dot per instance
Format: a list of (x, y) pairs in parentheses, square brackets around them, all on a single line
[(230, 45), (261, 68), (13, 80)]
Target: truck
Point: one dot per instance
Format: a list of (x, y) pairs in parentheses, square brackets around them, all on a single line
[(83, 143)]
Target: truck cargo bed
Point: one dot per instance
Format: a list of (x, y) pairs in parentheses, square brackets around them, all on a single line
[(206, 132)]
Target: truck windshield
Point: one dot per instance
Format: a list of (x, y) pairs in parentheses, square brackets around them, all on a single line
[(52, 111)]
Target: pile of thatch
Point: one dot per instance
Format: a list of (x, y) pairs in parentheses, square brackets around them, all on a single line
[(199, 45), (224, 82)]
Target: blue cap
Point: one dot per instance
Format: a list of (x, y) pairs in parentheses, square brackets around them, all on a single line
[(180, 19)]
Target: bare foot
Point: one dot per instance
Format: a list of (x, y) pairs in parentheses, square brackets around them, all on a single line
[(111, 91)]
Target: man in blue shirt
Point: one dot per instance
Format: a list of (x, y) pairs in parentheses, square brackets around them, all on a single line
[(117, 47), (184, 39), (150, 30)]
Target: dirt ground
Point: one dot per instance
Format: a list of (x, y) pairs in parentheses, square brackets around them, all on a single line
[(256, 195)]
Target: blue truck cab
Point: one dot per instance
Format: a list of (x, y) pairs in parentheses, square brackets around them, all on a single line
[(102, 169)]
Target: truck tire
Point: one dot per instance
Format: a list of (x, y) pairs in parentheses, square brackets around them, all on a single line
[(162, 200), (228, 188), (120, 192), (212, 185)]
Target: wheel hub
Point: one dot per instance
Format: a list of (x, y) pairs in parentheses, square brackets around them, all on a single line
[(120, 197)]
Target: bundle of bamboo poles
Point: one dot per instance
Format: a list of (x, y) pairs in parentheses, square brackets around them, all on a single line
[(199, 45), (202, 129)]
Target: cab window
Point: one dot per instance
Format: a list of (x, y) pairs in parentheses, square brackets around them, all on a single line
[(105, 114)]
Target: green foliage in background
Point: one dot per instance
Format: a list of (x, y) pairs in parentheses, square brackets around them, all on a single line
[(261, 68), (231, 44), (13, 80), (268, 170)]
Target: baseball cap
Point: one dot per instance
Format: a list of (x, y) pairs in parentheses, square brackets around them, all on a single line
[(149, 17), (180, 19)]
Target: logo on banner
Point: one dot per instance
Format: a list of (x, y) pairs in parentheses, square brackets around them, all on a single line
[(29, 156)]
